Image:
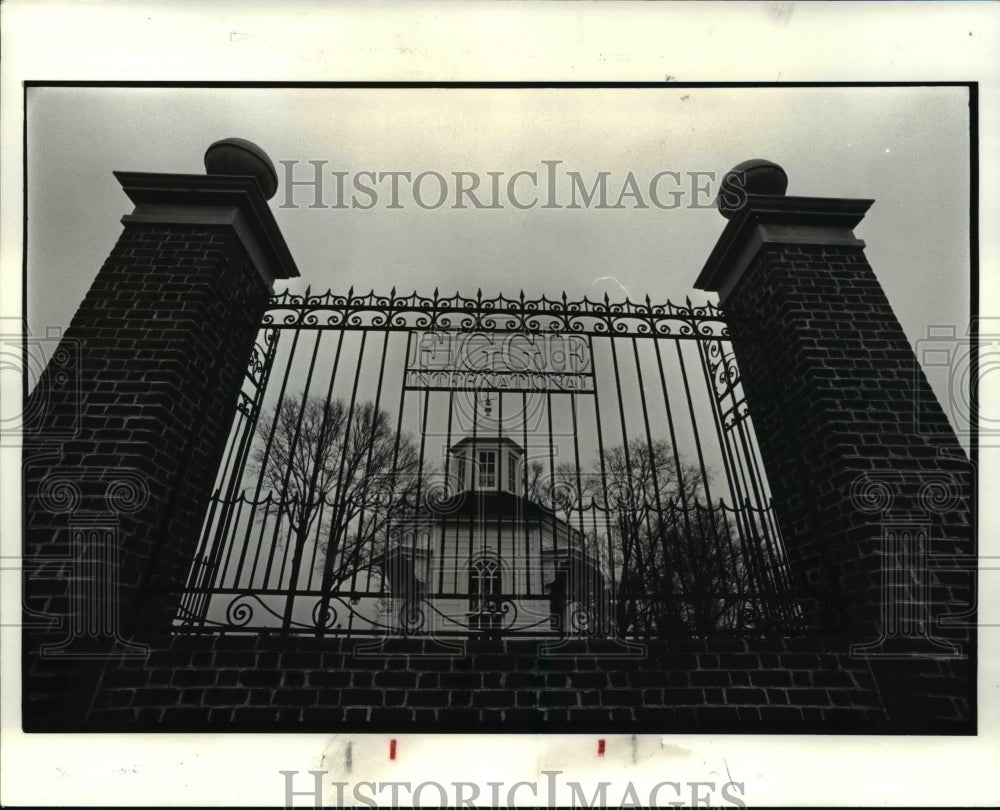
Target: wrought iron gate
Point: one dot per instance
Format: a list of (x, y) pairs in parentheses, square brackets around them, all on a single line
[(451, 465)]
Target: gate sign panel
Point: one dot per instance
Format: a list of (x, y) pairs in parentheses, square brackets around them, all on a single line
[(515, 362)]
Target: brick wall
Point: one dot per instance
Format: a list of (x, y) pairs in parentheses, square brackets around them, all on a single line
[(851, 434), (872, 489), (162, 338), (123, 438), (217, 683)]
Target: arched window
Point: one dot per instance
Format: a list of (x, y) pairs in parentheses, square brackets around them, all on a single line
[(485, 587)]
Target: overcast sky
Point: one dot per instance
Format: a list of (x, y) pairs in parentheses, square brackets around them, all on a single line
[(905, 147), (908, 148)]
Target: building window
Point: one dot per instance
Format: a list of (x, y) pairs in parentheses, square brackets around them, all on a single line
[(485, 587), (512, 472), (461, 472), (487, 469)]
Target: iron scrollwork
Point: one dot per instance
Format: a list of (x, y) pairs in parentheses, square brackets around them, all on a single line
[(497, 314)]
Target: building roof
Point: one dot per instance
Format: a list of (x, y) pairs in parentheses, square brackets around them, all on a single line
[(491, 440), (491, 504)]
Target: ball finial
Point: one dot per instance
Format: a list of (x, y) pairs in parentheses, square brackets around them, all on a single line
[(236, 156), (749, 177)]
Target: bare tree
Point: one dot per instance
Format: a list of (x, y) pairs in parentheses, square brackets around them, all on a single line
[(534, 482), (678, 564), (338, 473), (561, 492)]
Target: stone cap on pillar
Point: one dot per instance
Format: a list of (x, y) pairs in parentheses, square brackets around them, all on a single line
[(237, 200), (772, 218)]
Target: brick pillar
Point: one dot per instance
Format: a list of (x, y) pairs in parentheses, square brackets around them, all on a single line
[(871, 487), (125, 429)]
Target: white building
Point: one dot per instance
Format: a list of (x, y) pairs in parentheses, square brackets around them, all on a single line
[(487, 558)]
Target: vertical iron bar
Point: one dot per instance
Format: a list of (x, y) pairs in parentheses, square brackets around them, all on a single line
[(301, 533), (735, 490), (448, 493), (316, 543), (668, 581), (478, 496), (337, 523), (266, 456), (633, 520), (607, 505), (694, 423), (202, 574), (395, 461), (579, 482), (525, 472), (501, 453), (288, 474), (740, 514), (271, 337), (551, 506), (362, 542)]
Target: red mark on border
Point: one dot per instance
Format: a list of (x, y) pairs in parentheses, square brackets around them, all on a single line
[(600, 748), (392, 748)]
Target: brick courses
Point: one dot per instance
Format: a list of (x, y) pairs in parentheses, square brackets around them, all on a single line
[(128, 434), (685, 686), (858, 451)]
